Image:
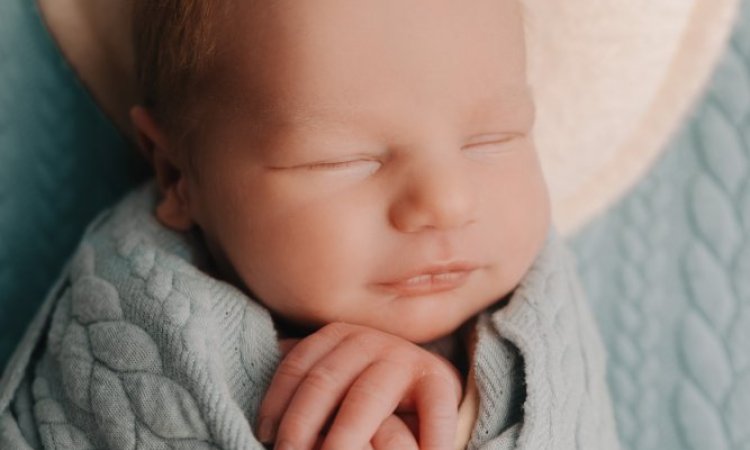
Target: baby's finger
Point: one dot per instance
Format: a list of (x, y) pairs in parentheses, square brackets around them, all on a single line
[(394, 434), (437, 408), (287, 377), (320, 392), (371, 398), (286, 345)]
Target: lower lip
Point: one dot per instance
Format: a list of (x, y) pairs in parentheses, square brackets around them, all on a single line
[(428, 284)]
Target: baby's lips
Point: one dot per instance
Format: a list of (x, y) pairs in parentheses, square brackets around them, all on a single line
[(431, 269), (430, 279)]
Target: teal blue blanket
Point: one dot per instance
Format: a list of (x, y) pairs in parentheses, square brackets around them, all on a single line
[(668, 273), (61, 162)]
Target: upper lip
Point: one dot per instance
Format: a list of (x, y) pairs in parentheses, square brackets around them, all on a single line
[(433, 269)]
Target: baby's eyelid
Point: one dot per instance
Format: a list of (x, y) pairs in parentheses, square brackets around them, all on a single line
[(353, 161), (487, 146), (339, 164), (502, 140)]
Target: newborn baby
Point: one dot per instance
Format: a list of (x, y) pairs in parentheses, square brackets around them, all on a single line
[(370, 164), (367, 163), (363, 173)]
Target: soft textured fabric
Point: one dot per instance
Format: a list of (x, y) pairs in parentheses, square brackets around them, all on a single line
[(667, 271), (612, 80), (61, 162), (139, 348)]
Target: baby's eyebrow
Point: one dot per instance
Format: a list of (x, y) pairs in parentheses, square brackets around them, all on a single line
[(507, 101), (286, 116)]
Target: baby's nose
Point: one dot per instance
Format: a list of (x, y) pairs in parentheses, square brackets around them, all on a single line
[(441, 196)]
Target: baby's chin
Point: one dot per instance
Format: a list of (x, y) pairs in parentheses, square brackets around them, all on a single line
[(419, 319), (420, 330), (427, 338), (433, 326), (423, 330)]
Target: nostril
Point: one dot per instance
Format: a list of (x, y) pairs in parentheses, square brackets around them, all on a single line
[(439, 214)]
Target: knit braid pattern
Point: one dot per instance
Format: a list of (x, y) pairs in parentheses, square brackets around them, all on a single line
[(143, 351), (667, 271)]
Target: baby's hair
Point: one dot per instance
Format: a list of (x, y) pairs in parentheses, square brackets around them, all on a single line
[(174, 45)]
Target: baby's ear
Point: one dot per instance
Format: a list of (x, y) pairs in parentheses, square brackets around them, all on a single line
[(173, 209)]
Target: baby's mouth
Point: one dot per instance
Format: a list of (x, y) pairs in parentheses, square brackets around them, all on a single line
[(430, 280)]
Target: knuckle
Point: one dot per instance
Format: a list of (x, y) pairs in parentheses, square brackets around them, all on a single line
[(442, 417), (442, 389), (406, 356), (335, 330), (323, 378), (365, 392), (293, 366), (293, 425), (364, 342)]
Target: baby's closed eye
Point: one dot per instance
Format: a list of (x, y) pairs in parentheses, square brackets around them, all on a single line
[(363, 165), (502, 144)]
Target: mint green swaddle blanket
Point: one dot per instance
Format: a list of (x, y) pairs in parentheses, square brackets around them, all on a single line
[(139, 348)]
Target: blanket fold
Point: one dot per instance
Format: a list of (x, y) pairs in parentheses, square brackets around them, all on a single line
[(137, 347)]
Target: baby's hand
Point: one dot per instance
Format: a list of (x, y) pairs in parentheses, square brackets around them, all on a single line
[(368, 375)]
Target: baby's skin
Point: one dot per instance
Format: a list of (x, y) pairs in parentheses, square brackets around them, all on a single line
[(367, 171), (367, 374)]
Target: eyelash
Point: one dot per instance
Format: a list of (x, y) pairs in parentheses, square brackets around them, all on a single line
[(333, 165), (348, 163), (502, 141)]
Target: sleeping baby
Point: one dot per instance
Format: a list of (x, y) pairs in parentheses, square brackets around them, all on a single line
[(347, 245)]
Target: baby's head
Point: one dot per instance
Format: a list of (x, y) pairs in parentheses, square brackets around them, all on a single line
[(334, 154)]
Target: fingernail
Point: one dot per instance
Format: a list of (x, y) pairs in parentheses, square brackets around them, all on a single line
[(266, 430)]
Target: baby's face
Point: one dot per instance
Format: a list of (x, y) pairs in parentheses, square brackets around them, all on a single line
[(372, 162)]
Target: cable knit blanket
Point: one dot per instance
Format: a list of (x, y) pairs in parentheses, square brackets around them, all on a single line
[(136, 347)]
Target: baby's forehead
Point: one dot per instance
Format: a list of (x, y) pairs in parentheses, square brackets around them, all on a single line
[(304, 62)]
